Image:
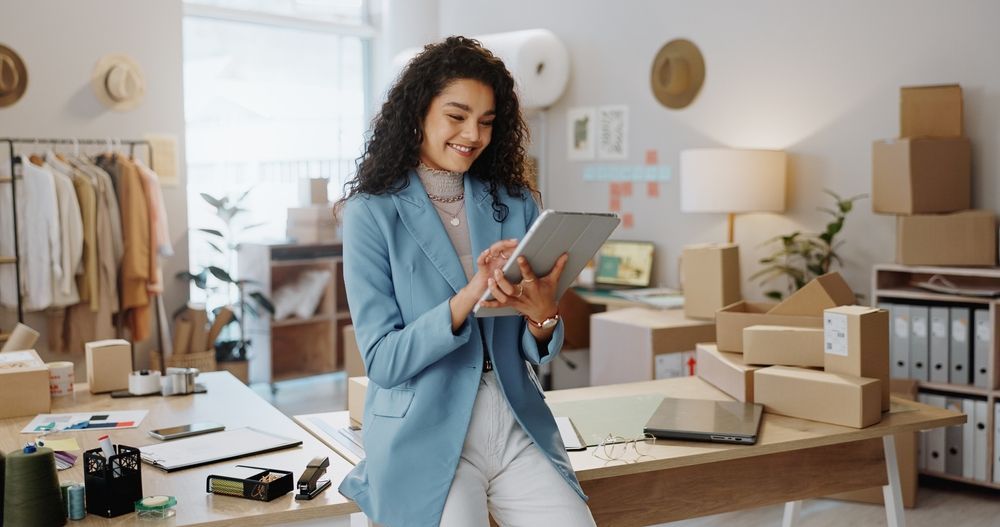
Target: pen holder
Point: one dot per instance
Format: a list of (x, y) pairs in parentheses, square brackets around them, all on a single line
[(253, 487), (113, 484)]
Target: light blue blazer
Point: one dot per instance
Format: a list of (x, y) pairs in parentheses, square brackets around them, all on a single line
[(400, 270)]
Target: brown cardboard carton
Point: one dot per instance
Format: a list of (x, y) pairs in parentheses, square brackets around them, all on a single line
[(624, 343), (783, 346), (726, 371), (962, 238), (829, 290), (930, 111), (109, 363), (313, 191), (313, 224), (575, 312), (918, 176), (834, 398), (353, 363), (24, 384), (711, 278), (356, 388), (906, 455), (856, 342), (731, 320)]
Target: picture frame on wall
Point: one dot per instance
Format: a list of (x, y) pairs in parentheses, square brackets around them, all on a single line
[(612, 132), (581, 131)]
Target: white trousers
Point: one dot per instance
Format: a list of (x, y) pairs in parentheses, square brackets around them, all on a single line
[(501, 470)]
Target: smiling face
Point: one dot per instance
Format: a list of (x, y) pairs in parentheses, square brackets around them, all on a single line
[(458, 126)]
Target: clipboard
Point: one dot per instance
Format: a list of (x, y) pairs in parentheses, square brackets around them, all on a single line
[(578, 234), (212, 448)]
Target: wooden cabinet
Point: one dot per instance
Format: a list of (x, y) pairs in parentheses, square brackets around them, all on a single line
[(961, 310), (295, 346)]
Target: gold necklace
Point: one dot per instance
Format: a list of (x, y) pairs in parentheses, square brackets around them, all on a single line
[(455, 222)]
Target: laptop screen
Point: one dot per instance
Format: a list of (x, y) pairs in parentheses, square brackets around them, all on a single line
[(625, 263)]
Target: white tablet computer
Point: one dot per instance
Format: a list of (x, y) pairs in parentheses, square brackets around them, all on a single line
[(580, 234)]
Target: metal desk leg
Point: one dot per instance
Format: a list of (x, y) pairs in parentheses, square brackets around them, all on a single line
[(792, 510), (892, 492)]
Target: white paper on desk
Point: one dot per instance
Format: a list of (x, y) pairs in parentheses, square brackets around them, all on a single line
[(570, 437), (48, 423), (210, 448)]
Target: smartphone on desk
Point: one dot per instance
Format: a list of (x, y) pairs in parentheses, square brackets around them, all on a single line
[(175, 432)]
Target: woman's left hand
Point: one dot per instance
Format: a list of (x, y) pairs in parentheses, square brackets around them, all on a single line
[(533, 297)]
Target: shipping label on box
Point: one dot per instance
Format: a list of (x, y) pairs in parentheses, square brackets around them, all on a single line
[(24, 384), (711, 278), (856, 342), (962, 238), (835, 398), (783, 345), (919, 176), (726, 371), (733, 319)]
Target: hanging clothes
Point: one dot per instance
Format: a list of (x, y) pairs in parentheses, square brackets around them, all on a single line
[(159, 232), (65, 291), (8, 274), (86, 194), (135, 268), (40, 259)]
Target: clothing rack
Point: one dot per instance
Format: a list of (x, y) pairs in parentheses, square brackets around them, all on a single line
[(15, 176)]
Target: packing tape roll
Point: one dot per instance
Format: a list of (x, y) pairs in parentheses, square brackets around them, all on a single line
[(61, 378), (144, 382)]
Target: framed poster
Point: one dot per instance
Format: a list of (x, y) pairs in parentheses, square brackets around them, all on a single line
[(581, 126)]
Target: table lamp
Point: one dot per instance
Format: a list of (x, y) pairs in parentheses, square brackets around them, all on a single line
[(732, 181)]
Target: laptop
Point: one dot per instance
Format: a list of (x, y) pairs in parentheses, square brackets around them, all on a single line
[(704, 420), (624, 265)]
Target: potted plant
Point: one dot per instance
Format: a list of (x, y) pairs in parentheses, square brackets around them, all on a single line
[(218, 282), (799, 257)]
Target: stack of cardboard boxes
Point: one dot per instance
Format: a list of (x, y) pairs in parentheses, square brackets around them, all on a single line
[(813, 356), (315, 222), (924, 177)]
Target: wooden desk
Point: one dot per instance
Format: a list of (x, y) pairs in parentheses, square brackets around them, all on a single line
[(794, 459), (230, 403)]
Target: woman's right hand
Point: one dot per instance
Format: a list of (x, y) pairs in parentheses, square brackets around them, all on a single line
[(495, 257)]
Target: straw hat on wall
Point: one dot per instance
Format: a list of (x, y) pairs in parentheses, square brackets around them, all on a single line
[(678, 73), (13, 77), (118, 82)]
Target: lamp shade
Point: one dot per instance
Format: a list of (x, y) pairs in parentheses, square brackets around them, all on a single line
[(732, 181)]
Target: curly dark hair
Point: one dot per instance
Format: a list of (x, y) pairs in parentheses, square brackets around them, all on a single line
[(393, 147)]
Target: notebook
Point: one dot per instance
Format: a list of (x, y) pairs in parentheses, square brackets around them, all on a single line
[(702, 420), (211, 448)]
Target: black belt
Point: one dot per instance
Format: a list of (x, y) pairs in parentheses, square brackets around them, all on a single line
[(487, 363)]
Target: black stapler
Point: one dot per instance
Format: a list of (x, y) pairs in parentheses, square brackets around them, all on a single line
[(309, 483)]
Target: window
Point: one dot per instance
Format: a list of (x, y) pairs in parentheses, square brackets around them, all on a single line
[(274, 92)]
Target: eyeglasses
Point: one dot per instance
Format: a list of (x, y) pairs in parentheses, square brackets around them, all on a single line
[(618, 448)]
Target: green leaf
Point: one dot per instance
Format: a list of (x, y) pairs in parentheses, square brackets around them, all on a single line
[(221, 274), (214, 246), (250, 309), (212, 200), (255, 225), (243, 196), (198, 279), (263, 301), (774, 295), (213, 232)]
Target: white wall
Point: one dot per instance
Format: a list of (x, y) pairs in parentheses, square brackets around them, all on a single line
[(60, 41), (818, 79)]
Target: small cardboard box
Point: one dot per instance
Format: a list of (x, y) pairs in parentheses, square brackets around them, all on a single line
[(856, 342), (917, 176), (353, 363), (711, 278), (24, 384), (109, 363), (962, 238), (783, 346), (313, 191), (726, 371), (829, 290), (731, 320), (624, 343), (906, 454), (356, 388), (930, 111), (835, 398), (313, 224)]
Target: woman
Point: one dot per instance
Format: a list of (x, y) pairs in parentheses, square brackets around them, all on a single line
[(454, 420)]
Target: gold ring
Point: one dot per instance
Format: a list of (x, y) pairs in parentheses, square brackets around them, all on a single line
[(527, 280), (520, 291)]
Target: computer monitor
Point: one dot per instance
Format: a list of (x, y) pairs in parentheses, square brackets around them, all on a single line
[(624, 264)]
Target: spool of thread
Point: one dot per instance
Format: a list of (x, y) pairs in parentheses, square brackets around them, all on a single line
[(64, 493), (32, 496), (76, 502)]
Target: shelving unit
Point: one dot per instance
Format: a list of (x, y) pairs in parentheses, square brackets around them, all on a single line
[(894, 283), (295, 347)]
